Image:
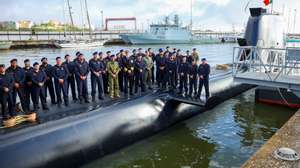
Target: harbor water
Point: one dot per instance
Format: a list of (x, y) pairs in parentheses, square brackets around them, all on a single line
[(225, 136)]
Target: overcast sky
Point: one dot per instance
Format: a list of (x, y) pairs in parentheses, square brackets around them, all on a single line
[(208, 14)]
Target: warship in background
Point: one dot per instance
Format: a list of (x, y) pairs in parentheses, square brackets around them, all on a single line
[(167, 33)]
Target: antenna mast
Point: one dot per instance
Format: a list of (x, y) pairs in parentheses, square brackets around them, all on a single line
[(88, 19)]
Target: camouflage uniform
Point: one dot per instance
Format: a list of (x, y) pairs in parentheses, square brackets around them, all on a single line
[(113, 69)]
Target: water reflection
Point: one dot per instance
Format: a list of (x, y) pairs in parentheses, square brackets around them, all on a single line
[(223, 137)]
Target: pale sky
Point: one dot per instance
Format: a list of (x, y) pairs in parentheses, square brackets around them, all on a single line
[(208, 14)]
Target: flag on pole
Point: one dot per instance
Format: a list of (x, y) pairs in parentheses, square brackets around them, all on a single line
[(268, 2)]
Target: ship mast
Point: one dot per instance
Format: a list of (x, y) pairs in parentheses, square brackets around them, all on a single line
[(191, 21), (88, 19), (71, 17)]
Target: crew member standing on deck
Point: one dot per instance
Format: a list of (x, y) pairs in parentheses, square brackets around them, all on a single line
[(105, 75), (183, 70), (47, 68), (113, 70), (149, 67), (18, 75), (203, 72), (193, 78), (81, 72), (152, 55), (140, 68), (71, 77), (121, 61), (28, 83), (60, 75), (160, 69), (171, 72), (38, 78), (97, 69), (195, 55), (129, 72), (6, 90)]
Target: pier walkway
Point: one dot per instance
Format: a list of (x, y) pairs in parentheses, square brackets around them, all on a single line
[(278, 68)]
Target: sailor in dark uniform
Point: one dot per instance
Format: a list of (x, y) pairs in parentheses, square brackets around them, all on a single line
[(203, 72), (38, 78), (129, 72), (183, 70), (121, 61), (18, 74), (97, 69), (28, 83), (189, 58), (47, 68), (171, 72), (152, 55), (60, 75), (193, 78), (160, 61), (134, 53), (6, 89), (140, 68), (71, 78), (81, 72)]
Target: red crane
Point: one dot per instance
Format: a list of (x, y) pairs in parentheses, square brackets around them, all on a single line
[(119, 19)]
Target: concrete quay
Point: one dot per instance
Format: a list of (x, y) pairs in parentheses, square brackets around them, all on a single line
[(287, 136)]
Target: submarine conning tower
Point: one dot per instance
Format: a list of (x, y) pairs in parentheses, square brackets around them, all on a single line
[(263, 59)]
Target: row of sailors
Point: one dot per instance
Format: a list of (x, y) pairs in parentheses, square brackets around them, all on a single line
[(108, 75)]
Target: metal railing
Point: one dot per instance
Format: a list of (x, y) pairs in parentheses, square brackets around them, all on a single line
[(268, 61)]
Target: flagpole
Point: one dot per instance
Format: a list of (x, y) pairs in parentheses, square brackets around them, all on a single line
[(272, 7)]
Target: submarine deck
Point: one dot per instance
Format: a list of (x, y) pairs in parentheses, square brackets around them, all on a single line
[(59, 112)]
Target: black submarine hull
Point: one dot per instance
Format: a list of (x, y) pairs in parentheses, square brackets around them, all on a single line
[(76, 140)]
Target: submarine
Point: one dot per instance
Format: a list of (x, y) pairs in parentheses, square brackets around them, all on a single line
[(76, 140)]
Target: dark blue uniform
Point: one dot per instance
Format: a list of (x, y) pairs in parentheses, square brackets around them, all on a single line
[(129, 74), (152, 55), (121, 74), (18, 75), (183, 70), (6, 99), (105, 75), (161, 62), (71, 78), (47, 68), (82, 69), (171, 73), (97, 69), (193, 74), (61, 72), (39, 92), (28, 87), (140, 68), (204, 70)]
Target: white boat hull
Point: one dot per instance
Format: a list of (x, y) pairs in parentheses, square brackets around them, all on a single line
[(5, 45), (148, 39), (80, 44)]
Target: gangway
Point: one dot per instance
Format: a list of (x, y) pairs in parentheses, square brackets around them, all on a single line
[(271, 67)]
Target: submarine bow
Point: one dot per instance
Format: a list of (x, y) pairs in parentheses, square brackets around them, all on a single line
[(76, 140)]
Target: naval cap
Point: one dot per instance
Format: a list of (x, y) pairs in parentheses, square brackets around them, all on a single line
[(44, 58), (13, 60), (203, 59), (26, 60), (95, 53), (77, 53), (36, 63), (2, 66)]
